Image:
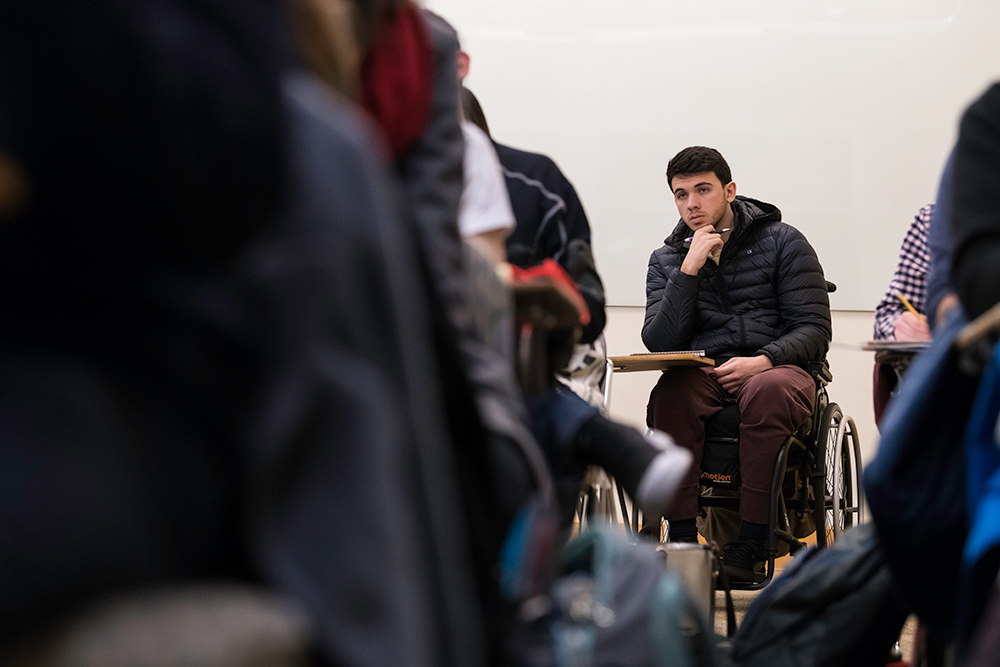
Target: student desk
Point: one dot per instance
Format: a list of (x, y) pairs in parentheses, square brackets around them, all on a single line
[(659, 361), (888, 351), (889, 354), (653, 361), (895, 353)]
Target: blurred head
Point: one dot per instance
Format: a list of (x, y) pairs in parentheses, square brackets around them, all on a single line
[(368, 15), (702, 186), (326, 35)]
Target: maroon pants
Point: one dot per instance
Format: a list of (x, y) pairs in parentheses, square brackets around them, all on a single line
[(773, 404)]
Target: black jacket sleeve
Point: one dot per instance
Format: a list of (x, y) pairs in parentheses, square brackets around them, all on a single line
[(803, 302), (671, 306)]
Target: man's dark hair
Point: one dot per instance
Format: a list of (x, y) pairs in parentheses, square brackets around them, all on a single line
[(695, 160), (472, 111)]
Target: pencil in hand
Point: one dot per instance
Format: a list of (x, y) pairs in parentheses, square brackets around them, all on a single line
[(909, 307)]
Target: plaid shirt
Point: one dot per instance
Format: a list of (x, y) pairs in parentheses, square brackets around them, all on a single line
[(910, 278)]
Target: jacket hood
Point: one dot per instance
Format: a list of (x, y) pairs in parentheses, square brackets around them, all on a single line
[(747, 211)]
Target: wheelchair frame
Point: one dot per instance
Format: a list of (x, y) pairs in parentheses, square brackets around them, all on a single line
[(827, 453), (828, 457)]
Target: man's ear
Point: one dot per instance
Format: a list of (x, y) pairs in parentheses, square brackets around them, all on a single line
[(730, 191), (463, 65)]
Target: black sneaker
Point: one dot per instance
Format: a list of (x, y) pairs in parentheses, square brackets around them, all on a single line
[(682, 537), (744, 562)]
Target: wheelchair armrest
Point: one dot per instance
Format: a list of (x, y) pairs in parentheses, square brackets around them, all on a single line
[(820, 370)]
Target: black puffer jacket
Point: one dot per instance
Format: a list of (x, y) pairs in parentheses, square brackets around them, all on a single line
[(767, 296)]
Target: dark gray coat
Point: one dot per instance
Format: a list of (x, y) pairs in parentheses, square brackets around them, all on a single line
[(768, 295)]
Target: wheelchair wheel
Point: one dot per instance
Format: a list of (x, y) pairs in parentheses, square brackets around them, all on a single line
[(839, 455)]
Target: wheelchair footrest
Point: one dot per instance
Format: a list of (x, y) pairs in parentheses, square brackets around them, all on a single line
[(794, 544)]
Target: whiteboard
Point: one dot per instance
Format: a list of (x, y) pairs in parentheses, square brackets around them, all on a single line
[(839, 112)]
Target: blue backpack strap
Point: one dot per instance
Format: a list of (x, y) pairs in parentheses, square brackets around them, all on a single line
[(982, 457)]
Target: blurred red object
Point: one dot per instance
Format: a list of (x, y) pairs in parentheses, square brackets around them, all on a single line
[(550, 275), (397, 77)]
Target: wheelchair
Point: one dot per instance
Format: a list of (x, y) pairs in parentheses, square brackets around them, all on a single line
[(816, 486)]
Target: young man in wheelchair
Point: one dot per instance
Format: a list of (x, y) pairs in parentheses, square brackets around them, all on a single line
[(735, 281)]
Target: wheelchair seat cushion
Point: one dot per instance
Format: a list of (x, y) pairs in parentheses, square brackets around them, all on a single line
[(720, 459), (724, 424)]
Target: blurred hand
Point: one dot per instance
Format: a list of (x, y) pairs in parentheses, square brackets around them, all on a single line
[(947, 304), (734, 373), (909, 327)]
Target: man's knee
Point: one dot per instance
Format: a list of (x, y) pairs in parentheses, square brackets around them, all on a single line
[(782, 389), (677, 385), (678, 392)]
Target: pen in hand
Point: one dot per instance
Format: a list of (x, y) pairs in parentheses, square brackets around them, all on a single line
[(719, 231)]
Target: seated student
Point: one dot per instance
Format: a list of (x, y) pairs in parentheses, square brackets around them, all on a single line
[(551, 223), (893, 320), (734, 280)]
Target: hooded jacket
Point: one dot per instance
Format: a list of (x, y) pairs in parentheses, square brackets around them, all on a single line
[(766, 296), (551, 223)]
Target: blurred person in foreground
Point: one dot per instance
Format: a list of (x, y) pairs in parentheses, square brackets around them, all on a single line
[(218, 363), (551, 223)]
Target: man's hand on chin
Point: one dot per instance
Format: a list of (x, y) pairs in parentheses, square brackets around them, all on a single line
[(732, 374)]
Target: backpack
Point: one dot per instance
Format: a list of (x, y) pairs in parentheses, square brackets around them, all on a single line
[(611, 603), (915, 485), (834, 606)]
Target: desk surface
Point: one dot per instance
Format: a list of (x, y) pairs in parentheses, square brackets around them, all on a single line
[(911, 346), (658, 362)]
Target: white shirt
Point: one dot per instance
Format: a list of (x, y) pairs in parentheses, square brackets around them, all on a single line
[(485, 204)]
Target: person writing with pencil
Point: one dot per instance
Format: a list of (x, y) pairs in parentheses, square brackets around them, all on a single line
[(900, 314), (734, 280)]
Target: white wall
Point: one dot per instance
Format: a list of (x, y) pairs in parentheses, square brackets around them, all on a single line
[(840, 112), (852, 371)]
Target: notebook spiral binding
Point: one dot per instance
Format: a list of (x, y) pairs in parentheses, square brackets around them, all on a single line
[(693, 353)]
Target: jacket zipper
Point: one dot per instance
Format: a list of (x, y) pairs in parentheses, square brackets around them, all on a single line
[(721, 286)]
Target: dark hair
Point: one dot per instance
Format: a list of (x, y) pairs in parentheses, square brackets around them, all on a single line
[(369, 15), (695, 160), (472, 111)]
